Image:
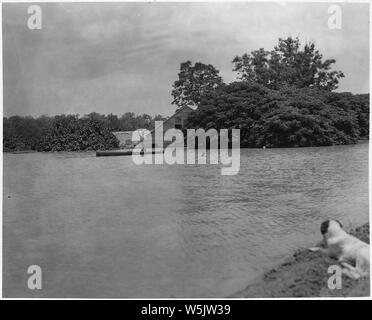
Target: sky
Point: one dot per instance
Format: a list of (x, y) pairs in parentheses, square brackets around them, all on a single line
[(124, 57)]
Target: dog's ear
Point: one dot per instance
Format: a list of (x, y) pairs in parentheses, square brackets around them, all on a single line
[(339, 223), (324, 227)]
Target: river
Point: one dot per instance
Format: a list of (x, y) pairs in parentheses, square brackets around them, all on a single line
[(105, 227)]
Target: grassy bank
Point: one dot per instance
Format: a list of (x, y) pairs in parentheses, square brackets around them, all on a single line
[(305, 275)]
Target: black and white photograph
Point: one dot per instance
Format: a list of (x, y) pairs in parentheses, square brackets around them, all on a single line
[(179, 150)]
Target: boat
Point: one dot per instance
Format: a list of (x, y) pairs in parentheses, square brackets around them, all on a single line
[(124, 152)]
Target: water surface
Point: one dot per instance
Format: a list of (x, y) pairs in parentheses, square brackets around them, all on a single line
[(104, 227)]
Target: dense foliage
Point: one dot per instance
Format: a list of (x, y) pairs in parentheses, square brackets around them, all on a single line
[(70, 132), (193, 82), (283, 98), (289, 117), (23, 133), (288, 64)]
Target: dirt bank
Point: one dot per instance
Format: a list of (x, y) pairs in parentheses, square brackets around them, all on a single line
[(305, 275)]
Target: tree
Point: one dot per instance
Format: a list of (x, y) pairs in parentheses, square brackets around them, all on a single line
[(23, 133), (113, 122), (71, 133), (128, 122), (288, 65), (289, 117), (193, 82)]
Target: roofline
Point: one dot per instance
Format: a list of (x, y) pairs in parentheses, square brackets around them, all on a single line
[(179, 110)]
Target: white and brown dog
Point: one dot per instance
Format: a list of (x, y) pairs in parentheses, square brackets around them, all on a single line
[(346, 248)]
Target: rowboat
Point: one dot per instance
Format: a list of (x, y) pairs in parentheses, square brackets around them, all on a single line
[(124, 152)]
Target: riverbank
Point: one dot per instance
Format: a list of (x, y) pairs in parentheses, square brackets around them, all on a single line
[(305, 275), (118, 150)]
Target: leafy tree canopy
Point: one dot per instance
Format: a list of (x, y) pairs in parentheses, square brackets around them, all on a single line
[(193, 82), (288, 64), (288, 117), (70, 132)]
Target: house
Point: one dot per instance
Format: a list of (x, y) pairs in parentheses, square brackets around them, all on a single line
[(124, 137), (177, 120)]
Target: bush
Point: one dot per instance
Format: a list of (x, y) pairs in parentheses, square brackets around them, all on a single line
[(69, 133), (61, 133), (289, 117)]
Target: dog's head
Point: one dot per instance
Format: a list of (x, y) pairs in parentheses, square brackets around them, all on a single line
[(330, 227)]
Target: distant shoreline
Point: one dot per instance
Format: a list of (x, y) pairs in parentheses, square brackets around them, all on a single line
[(305, 274), (86, 151)]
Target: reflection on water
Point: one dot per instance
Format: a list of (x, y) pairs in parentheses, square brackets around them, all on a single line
[(104, 227)]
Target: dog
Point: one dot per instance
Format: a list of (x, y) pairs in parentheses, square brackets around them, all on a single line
[(345, 248)]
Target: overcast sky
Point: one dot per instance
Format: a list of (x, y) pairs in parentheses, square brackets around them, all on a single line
[(119, 57)]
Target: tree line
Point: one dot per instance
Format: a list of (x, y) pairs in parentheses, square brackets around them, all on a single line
[(282, 98), (289, 117), (70, 132)]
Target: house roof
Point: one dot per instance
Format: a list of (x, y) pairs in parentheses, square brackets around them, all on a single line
[(172, 116)]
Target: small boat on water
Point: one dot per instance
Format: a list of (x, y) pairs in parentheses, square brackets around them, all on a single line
[(125, 152)]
